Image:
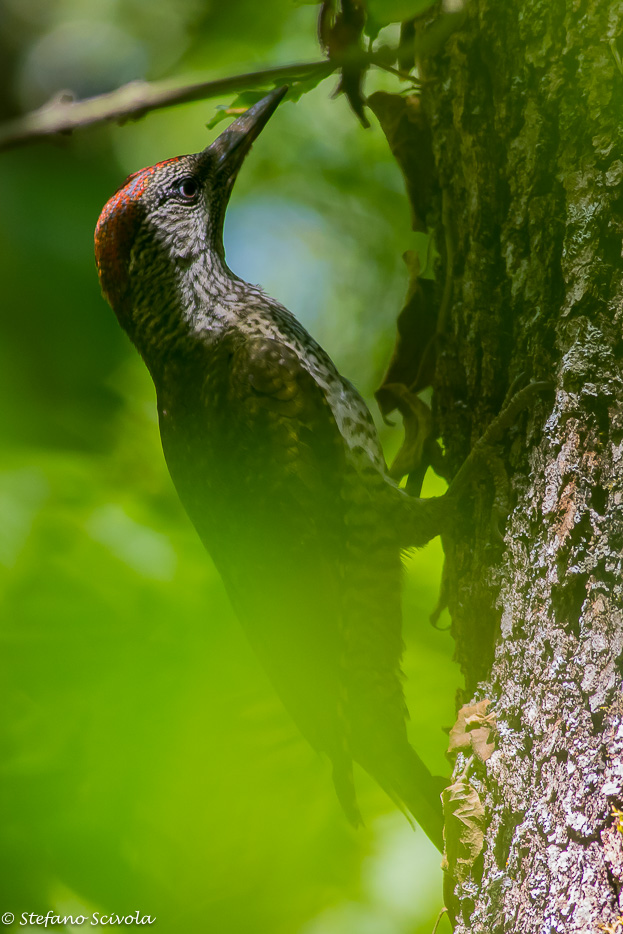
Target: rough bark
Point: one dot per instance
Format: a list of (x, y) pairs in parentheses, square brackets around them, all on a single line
[(524, 105)]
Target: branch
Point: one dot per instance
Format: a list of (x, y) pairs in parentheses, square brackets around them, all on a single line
[(134, 100)]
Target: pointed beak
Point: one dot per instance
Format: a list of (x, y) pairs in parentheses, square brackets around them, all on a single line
[(227, 152)]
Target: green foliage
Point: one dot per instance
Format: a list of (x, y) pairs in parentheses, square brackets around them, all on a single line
[(146, 762), (240, 103), (395, 11)]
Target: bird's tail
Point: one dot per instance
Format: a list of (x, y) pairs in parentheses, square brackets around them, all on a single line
[(418, 792), (406, 780)]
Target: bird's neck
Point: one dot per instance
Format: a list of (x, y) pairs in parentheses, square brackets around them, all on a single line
[(178, 306), (213, 298)]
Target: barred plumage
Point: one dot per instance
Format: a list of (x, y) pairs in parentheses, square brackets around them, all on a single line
[(277, 462)]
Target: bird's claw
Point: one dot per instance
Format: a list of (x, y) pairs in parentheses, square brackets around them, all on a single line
[(483, 457), (423, 519)]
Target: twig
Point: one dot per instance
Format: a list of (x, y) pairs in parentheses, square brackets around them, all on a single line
[(403, 75), (134, 100), (443, 911)]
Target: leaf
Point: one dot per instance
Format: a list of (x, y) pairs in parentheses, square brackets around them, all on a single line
[(297, 87), (418, 422), (413, 361), (238, 106), (300, 86), (464, 815), (407, 131), (473, 732), (340, 35), (411, 369)]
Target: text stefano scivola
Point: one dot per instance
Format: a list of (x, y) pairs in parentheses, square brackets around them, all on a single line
[(97, 918)]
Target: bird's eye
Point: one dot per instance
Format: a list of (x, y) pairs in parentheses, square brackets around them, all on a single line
[(188, 188)]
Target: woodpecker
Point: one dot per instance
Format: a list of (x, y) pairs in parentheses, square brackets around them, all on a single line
[(277, 462)]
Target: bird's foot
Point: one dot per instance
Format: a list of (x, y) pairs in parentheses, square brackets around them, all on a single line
[(484, 459), (438, 515)]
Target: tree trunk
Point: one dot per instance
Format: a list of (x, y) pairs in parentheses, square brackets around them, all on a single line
[(524, 104)]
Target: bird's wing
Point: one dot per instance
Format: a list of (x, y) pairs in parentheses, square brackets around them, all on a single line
[(281, 533), (330, 578), (308, 559), (284, 416)]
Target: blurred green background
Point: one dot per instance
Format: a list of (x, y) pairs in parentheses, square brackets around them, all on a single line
[(145, 762)]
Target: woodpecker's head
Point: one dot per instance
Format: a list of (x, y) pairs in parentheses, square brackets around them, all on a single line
[(170, 214)]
